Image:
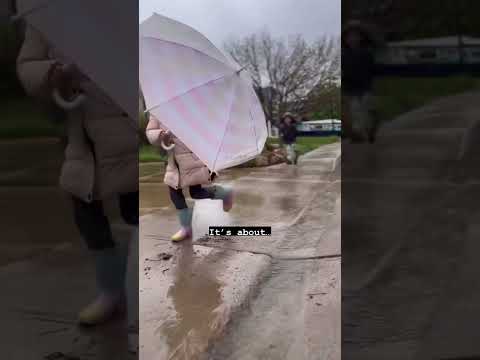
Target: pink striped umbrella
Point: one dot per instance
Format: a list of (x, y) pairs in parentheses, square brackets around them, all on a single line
[(200, 94), (94, 35)]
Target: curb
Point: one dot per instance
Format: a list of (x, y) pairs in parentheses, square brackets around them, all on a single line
[(305, 158), (239, 298), (337, 161), (160, 169)]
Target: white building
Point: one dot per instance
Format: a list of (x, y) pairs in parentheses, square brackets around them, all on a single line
[(444, 50)]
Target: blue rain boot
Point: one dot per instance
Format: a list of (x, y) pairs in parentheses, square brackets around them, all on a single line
[(185, 232), (110, 266), (224, 194), (126, 238), (132, 281)]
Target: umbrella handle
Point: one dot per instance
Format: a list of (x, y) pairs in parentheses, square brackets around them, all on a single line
[(167, 148), (239, 71), (67, 105)]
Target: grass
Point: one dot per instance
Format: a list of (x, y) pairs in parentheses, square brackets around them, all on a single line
[(22, 118), (149, 153), (307, 144), (400, 95)]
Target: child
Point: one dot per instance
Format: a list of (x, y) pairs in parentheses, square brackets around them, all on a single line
[(359, 122), (98, 168), (184, 169), (288, 134)]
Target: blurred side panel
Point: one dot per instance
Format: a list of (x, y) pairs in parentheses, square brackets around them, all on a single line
[(61, 214), (411, 91)]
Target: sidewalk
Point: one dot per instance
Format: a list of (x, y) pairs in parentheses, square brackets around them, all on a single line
[(402, 288), (47, 277), (193, 295)]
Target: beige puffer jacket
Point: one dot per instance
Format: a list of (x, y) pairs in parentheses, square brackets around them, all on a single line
[(184, 168), (98, 124)]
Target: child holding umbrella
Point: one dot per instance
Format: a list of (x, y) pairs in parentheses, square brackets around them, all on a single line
[(99, 167), (185, 170)]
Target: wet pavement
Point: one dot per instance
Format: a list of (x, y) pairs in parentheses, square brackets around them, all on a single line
[(278, 294), (45, 269), (408, 264)]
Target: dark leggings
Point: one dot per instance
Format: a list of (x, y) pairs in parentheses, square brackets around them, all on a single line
[(196, 192), (93, 224)]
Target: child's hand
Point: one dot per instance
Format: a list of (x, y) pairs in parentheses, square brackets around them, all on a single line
[(166, 136), (64, 78)]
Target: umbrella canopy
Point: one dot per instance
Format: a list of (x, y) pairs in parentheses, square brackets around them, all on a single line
[(97, 36), (200, 94)]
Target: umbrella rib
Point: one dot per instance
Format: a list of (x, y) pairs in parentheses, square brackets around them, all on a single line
[(188, 91), (226, 127), (23, 14), (254, 130), (188, 47)]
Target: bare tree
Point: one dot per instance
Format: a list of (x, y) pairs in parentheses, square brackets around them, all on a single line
[(285, 72), (324, 101)]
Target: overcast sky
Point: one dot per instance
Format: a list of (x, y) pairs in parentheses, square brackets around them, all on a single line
[(221, 19)]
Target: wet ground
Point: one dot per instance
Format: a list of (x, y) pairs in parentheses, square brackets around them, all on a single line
[(295, 312), (278, 294), (408, 244), (274, 297), (46, 271)]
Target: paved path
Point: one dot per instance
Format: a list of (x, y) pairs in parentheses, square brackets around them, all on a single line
[(407, 271), (46, 271), (214, 290), (47, 277)]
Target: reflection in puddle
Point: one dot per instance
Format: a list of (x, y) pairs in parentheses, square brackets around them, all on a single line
[(154, 195), (288, 203), (252, 199), (195, 295)]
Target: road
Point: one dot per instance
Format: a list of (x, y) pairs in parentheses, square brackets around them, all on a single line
[(409, 236), (279, 295), (45, 269)]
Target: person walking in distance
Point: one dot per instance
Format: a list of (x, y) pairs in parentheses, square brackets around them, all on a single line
[(358, 118), (288, 135)]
